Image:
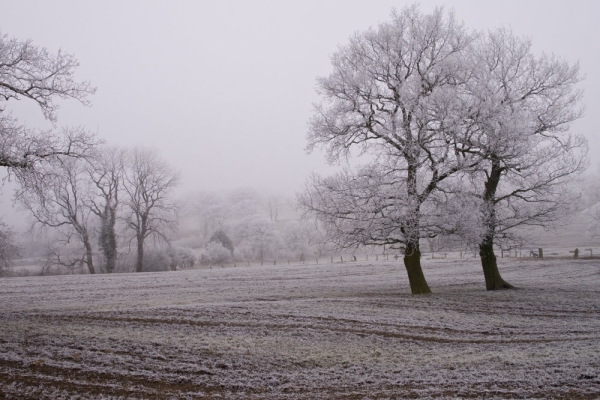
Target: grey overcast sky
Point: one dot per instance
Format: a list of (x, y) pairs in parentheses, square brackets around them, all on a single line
[(224, 88)]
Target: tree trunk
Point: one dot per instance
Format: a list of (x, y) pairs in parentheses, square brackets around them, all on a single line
[(111, 260), (412, 253), (88, 255), (412, 262), (493, 280), (110, 255), (108, 238), (140, 254)]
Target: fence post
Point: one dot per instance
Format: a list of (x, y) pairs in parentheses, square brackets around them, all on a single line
[(541, 252), (341, 259)]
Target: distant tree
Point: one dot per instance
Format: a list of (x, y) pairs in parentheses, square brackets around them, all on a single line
[(212, 211), (181, 257), (519, 107), (221, 237), (30, 72), (106, 171), (303, 237), (392, 94), (257, 237), (57, 196), (271, 206), (214, 253), (148, 186), (243, 203), (8, 247)]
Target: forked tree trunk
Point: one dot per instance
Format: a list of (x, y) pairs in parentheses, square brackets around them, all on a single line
[(493, 280), (412, 262)]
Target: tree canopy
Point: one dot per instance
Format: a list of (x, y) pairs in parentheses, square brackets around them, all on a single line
[(449, 117), (31, 72)]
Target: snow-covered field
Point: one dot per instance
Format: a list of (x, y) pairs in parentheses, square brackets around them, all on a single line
[(323, 331)]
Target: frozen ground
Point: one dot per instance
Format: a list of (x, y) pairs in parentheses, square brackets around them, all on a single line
[(317, 331)]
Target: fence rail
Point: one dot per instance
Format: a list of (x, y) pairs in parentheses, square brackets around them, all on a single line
[(522, 253)]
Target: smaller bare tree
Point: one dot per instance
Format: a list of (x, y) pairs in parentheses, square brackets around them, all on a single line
[(8, 248), (106, 171), (57, 197), (148, 185)]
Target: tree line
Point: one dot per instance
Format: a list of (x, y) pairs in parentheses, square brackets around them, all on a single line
[(243, 225), (100, 195), (67, 179)]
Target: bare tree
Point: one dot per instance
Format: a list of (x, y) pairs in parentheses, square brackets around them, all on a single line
[(519, 110), (8, 247), (148, 185), (106, 171), (272, 205), (392, 94), (256, 238), (304, 237), (212, 211), (31, 72), (57, 196)]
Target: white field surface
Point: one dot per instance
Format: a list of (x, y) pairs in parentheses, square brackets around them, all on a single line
[(323, 331)]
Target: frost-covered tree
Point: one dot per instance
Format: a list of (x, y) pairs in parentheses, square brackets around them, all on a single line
[(519, 108), (57, 195), (215, 253), (272, 205), (303, 237), (392, 94), (221, 237), (106, 171), (181, 257), (243, 203), (8, 247), (148, 207), (30, 72), (212, 212), (257, 238)]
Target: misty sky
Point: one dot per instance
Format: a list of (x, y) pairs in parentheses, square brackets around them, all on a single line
[(224, 88)]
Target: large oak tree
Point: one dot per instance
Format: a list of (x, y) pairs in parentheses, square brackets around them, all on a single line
[(391, 94)]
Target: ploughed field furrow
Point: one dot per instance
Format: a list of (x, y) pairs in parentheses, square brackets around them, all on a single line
[(146, 356), (452, 327), (312, 332)]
